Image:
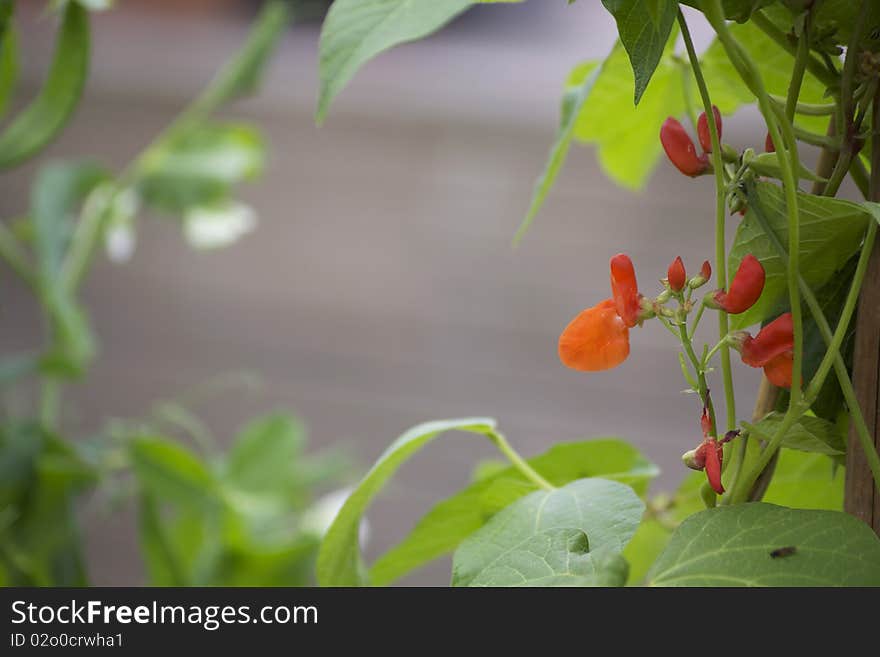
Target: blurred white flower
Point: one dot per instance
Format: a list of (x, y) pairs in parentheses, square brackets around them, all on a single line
[(318, 518), (120, 237), (218, 226)]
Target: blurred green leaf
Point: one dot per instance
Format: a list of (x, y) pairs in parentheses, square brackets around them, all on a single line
[(735, 10), (198, 167), (569, 536), (244, 73), (265, 454), (572, 102), (44, 118), (172, 473), (339, 560), (55, 199), (644, 27), (627, 137), (355, 31), (806, 481), (451, 521), (8, 55)]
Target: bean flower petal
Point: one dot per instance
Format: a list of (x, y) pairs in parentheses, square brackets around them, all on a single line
[(680, 149), (778, 370), (703, 129), (625, 289), (775, 339), (714, 454), (597, 339), (745, 288), (676, 275)]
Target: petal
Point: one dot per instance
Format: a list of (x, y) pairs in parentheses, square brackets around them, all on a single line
[(774, 339), (703, 129), (595, 340), (778, 370), (625, 289), (713, 468), (676, 275), (745, 288), (680, 149)]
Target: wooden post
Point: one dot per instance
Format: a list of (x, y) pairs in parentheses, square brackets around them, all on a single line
[(862, 499)]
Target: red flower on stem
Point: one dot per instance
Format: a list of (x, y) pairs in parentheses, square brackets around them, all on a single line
[(598, 338), (709, 455), (680, 149), (745, 288), (772, 349)]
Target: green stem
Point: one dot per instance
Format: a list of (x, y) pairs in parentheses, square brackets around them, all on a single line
[(697, 319), (806, 109), (519, 462), (814, 66), (50, 403), (720, 215), (797, 75), (702, 386), (15, 257)]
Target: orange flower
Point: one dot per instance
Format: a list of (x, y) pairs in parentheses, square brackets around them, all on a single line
[(598, 338)]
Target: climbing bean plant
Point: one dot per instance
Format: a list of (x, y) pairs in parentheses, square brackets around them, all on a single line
[(764, 506)]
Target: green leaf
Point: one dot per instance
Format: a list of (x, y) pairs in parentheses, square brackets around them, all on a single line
[(656, 529), (8, 55), (339, 560), (244, 73), (806, 481), (55, 199), (831, 232), (569, 536), (451, 521), (171, 473), (732, 546), (627, 137), (809, 434), (44, 118), (644, 27), (198, 167), (572, 104), (355, 31), (735, 10), (775, 65), (265, 453)]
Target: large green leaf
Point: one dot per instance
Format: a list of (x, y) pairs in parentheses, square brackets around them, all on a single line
[(355, 31), (735, 10), (644, 27), (451, 521), (628, 137), (806, 481), (40, 121), (568, 536), (339, 560), (831, 232), (573, 100), (734, 546), (808, 434)]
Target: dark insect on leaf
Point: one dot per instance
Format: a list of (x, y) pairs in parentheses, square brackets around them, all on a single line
[(783, 552)]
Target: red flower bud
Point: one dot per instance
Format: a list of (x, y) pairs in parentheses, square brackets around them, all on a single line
[(745, 288), (706, 270), (676, 275), (769, 146), (680, 149), (625, 289), (703, 131)]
